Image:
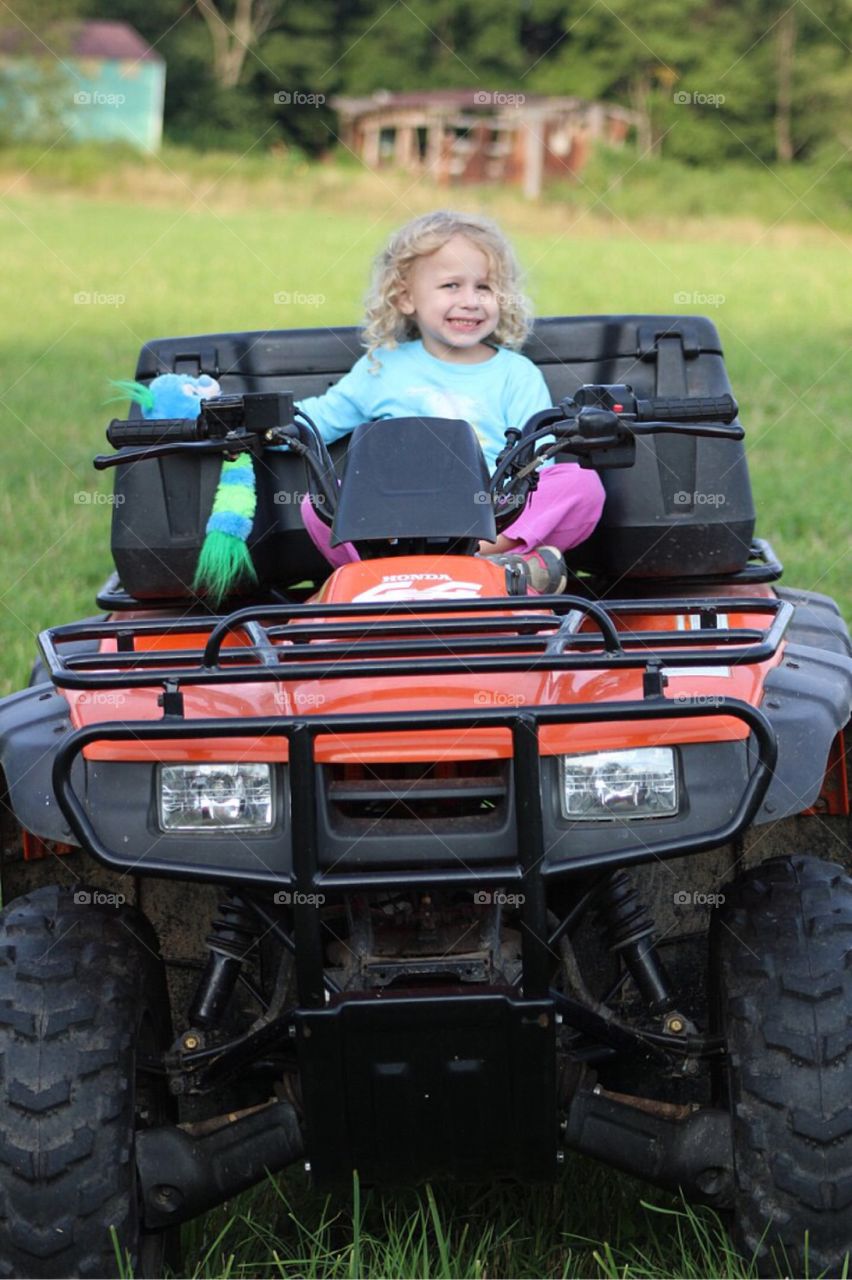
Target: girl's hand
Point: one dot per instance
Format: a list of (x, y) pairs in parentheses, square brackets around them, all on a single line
[(496, 548)]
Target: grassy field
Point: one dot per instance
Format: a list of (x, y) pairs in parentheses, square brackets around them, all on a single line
[(90, 268)]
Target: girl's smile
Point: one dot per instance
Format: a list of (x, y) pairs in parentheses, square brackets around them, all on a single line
[(451, 295)]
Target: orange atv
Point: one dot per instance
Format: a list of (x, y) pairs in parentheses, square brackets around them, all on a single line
[(400, 870)]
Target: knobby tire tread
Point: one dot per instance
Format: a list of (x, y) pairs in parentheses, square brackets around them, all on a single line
[(783, 958), (74, 982)]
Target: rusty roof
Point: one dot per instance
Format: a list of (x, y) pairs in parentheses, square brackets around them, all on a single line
[(116, 41)]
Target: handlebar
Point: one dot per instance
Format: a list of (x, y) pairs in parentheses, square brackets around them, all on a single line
[(598, 426), (226, 424), (688, 409), (620, 398), (135, 433)]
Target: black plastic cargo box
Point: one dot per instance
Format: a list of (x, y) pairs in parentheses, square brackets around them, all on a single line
[(685, 508)]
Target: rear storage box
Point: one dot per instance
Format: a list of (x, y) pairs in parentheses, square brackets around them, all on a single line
[(684, 508)]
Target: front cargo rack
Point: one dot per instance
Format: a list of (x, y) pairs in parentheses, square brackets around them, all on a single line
[(302, 641)]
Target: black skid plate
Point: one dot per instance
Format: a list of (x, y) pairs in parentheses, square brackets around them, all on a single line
[(413, 1087)]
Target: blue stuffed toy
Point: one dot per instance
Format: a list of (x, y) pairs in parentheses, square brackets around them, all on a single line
[(171, 395), (225, 557)]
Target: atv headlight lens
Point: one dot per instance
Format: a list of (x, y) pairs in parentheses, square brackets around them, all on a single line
[(613, 785), (215, 797)]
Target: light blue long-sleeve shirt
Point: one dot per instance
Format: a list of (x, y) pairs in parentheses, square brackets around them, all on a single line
[(493, 395)]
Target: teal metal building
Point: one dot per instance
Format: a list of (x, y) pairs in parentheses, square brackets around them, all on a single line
[(119, 83), (114, 80)]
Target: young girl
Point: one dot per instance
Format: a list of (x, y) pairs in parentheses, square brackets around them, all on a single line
[(444, 317)]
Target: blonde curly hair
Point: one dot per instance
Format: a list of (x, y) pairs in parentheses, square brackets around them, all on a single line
[(386, 326)]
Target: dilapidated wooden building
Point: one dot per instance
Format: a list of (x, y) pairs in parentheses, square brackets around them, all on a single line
[(471, 135)]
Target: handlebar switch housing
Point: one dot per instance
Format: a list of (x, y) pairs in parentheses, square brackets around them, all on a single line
[(616, 396), (599, 439), (255, 413)]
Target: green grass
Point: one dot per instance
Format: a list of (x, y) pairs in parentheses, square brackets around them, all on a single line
[(591, 1223), (614, 184), (174, 262), (660, 188)]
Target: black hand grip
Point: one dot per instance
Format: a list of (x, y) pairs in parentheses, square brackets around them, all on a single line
[(687, 409), (155, 431)]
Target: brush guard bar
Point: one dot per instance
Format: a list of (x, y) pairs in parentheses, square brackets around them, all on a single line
[(529, 871)]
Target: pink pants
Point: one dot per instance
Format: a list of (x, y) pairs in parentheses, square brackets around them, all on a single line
[(562, 512)]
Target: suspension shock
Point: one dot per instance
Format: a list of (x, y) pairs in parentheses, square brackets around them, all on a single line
[(232, 934), (630, 929)]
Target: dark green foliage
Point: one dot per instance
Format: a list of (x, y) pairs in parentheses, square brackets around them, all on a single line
[(756, 72)]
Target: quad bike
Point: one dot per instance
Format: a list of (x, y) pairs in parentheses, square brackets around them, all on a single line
[(398, 869)]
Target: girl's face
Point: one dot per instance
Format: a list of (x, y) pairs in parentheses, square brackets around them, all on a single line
[(451, 295)]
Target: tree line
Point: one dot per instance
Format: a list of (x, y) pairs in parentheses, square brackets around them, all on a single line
[(711, 80)]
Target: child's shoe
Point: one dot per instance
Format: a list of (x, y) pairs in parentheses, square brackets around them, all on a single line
[(542, 570)]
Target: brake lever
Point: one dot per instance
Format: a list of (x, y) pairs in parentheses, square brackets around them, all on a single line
[(240, 444), (713, 430), (612, 435)]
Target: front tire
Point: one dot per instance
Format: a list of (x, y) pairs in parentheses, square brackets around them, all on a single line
[(781, 961), (83, 1002)]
